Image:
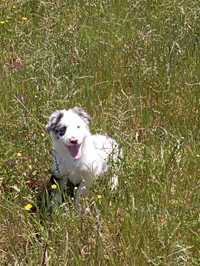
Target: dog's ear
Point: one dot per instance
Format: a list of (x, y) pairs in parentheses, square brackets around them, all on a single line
[(54, 119), (83, 114)]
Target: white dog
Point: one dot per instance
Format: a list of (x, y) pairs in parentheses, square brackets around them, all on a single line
[(80, 156)]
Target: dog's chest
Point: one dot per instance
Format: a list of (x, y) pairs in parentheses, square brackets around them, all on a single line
[(91, 164), (74, 170), (69, 166)]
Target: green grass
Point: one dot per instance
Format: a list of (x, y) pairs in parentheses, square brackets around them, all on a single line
[(135, 67)]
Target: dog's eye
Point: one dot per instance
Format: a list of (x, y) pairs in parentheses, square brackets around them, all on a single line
[(78, 126), (62, 131)]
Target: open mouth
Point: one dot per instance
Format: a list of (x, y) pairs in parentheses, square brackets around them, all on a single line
[(74, 150)]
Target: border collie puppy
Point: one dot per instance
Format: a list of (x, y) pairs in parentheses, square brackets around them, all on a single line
[(80, 156)]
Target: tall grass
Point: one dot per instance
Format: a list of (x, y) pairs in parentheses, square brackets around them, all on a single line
[(135, 67)]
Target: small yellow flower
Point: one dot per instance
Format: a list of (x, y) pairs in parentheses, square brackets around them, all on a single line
[(99, 198), (28, 207), (19, 154), (2, 22), (24, 19), (54, 186)]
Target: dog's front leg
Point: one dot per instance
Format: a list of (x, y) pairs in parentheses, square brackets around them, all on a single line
[(114, 182), (81, 193)]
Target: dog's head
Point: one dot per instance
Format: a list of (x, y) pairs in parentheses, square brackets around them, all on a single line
[(69, 128)]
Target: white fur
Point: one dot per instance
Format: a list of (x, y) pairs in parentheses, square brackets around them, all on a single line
[(93, 156)]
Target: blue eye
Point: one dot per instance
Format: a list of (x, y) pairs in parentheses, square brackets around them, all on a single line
[(62, 131)]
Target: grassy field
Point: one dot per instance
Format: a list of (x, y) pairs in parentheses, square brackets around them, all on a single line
[(135, 67)]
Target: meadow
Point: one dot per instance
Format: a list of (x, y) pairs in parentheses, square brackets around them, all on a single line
[(134, 65)]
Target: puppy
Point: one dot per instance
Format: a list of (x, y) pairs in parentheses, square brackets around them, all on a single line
[(80, 156)]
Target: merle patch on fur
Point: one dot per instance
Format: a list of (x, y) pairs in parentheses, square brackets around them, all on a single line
[(84, 115), (54, 124)]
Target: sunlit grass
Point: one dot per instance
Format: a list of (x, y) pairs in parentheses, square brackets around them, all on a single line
[(135, 67)]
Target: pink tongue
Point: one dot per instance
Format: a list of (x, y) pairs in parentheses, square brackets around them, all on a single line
[(75, 151)]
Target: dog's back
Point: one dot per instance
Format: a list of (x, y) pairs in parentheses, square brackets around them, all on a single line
[(98, 152)]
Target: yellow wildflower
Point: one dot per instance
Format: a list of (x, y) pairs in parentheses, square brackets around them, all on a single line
[(24, 19), (28, 207), (19, 154), (2, 22), (99, 198), (54, 186)]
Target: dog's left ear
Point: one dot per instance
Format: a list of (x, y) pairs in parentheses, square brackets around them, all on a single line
[(54, 119), (83, 114)]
